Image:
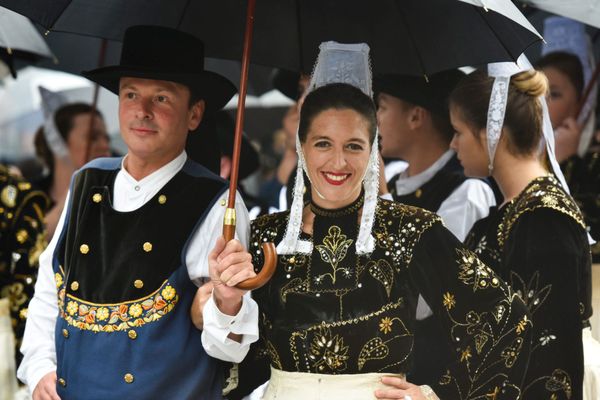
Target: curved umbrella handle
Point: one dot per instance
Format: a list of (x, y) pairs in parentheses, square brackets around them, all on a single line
[(269, 251)]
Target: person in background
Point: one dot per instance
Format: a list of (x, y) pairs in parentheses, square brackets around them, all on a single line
[(536, 240), (22, 240), (64, 144)]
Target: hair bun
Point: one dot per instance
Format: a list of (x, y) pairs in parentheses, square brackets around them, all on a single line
[(531, 82)]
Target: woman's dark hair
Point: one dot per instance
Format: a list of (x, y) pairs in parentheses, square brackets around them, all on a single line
[(63, 118), (568, 64), (523, 116), (339, 96)]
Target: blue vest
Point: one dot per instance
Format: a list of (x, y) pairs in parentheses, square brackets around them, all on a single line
[(124, 294)]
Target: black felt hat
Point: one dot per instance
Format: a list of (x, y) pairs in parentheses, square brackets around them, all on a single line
[(431, 94), (160, 53)]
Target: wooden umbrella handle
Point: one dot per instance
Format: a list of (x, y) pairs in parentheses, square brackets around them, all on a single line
[(268, 248)]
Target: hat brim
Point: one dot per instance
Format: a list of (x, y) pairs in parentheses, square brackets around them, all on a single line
[(213, 88)]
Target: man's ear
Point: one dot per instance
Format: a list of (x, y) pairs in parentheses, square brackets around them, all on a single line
[(196, 114), (416, 117)]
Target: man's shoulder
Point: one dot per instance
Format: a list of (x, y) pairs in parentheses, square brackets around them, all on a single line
[(104, 163)]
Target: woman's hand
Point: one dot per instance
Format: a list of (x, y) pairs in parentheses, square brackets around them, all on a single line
[(566, 139), (401, 389)]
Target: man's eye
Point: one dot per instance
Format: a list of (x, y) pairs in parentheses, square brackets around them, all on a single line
[(130, 95), (161, 99)]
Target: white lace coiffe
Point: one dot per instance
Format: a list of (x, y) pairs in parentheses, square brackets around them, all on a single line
[(51, 102), (337, 63), (502, 72)]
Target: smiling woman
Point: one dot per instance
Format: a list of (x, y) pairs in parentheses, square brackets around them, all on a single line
[(337, 319)]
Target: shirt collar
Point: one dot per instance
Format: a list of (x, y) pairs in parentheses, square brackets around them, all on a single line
[(164, 173), (407, 184)]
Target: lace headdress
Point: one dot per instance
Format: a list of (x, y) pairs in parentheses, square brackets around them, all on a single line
[(337, 63), (51, 102), (564, 34), (502, 73)]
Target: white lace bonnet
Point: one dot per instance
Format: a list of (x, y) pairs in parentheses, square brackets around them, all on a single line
[(51, 102), (337, 63)]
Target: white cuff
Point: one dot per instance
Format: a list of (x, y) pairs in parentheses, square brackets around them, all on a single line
[(217, 326)]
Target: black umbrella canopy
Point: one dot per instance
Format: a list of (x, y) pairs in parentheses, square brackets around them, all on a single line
[(406, 36)]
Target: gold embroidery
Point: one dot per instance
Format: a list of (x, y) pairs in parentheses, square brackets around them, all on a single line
[(327, 352), (475, 273), (374, 349), (333, 250), (543, 192), (383, 272), (449, 301)]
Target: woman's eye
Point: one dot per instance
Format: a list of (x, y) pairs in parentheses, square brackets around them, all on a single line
[(355, 147), (322, 143), (555, 95)]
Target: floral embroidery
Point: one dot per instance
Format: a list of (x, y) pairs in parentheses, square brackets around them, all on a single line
[(333, 250), (58, 279), (328, 352), (116, 317), (522, 325), (449, 301), (385, 325)]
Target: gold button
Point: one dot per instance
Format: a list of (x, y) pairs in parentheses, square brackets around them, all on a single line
[(62, 382), (223, 202), (138, 283), (84, 248), (418, 193), (128, 378), (65, 333), (132, 334), (147, 247), (162, 199), (97, 198), (74, 285)]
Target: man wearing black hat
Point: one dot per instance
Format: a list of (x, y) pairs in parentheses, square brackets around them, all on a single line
[(414, 124), (415, 127), (111, 313)]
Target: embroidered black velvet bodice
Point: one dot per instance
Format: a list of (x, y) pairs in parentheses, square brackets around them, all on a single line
[(315, 322)]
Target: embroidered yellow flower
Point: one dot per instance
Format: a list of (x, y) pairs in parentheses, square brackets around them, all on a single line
[(102, 314), (466, 355), (168, 292), (449, 301), (521, 325), (135, 310), (58, 279), (72, 308), (385, 325)]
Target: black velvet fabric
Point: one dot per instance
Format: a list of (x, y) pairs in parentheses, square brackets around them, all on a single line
[(434, 192), (538, 244), (116, 256), (335, 328)]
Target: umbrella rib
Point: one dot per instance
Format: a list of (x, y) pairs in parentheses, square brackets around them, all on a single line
[(411, 38), (300, 44), (187, 4), (480, 12)]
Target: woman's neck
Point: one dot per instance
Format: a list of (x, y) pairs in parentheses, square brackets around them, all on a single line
[(513, 174)]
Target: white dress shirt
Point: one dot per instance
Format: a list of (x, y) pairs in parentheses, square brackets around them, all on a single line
[(129, 194), (467, 204)]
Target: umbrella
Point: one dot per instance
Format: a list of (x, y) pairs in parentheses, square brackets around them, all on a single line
[(406, 36), (19, 39), (586, 11)]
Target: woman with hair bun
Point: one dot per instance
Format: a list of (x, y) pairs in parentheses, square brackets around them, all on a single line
[(536, 240)]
